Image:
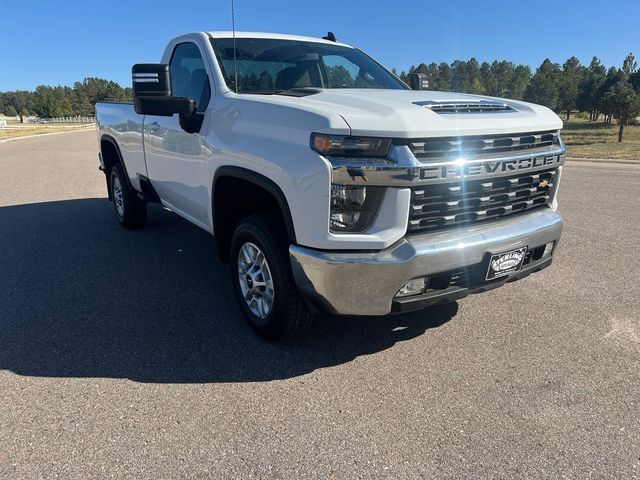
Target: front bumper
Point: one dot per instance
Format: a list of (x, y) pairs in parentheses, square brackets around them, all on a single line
[(365, 283)]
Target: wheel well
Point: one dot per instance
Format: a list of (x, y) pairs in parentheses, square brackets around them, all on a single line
[(235, 198), (110, 156)]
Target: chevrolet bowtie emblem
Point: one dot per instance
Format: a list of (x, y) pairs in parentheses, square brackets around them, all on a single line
[(543, 183)]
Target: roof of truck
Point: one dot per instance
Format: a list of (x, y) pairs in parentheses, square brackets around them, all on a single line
[(281, 36)]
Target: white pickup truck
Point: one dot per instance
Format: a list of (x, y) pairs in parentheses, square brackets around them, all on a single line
[(328, 183)]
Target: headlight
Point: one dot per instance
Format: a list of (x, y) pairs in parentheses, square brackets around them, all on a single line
[(346, 146), (353, 208)]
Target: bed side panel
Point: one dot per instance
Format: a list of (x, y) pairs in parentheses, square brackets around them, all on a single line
[(121, 122)]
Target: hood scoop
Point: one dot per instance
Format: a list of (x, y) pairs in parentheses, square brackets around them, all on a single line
[(445, 108)]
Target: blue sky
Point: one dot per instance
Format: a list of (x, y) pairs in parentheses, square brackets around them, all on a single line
[(46, 42)]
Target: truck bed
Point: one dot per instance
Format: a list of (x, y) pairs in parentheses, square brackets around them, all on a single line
[(119, 121)]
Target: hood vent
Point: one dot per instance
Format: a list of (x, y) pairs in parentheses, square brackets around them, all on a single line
[(445, 108)]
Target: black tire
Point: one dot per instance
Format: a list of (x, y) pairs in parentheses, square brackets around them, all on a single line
[(132, 213), (289, 315)]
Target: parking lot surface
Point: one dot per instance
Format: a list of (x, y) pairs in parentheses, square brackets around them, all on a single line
[(123, 353)]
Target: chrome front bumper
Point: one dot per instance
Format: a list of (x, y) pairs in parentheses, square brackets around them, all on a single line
[(365, 283)]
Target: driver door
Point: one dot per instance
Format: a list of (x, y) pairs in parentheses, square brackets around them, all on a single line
[(175, 158)]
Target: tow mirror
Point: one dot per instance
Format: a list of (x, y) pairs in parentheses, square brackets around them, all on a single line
[(163, 106), (418, 81), (152, 92), (151, 79)]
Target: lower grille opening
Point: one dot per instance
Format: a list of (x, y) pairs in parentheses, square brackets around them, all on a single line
[(455, 284), (473, 275)]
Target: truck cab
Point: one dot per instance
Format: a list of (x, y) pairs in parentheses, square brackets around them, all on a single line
[(327, 182)]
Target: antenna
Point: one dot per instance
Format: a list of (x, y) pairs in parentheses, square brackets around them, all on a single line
[(235, 60), (330, 36)]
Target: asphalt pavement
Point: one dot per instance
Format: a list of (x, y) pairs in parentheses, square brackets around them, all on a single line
[(123, 353)]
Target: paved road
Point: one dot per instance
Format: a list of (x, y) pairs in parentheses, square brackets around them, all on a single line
[(123, 355)]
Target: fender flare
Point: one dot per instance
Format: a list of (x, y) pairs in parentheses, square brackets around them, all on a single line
[(112, 141), (265, 183)]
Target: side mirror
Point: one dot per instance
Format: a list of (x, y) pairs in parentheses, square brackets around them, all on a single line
[(163, 106), (151, 79), (152, 92), (418, 81)]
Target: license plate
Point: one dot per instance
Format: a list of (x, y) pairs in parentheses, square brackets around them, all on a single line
[(502, 264)]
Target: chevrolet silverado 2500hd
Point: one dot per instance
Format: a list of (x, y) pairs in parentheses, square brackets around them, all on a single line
[(328, 183)]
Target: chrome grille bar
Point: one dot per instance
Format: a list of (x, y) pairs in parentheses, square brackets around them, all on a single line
[(482, 146), (439, 206), (403, 169)]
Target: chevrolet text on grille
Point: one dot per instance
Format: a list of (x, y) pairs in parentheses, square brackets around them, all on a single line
[(406, 169), (462, 169)]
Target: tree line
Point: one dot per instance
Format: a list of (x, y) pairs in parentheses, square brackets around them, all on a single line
[(607, 93), (49, 102)]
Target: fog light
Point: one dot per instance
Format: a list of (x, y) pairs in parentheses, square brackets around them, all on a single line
[(412, 287), (548, 249)]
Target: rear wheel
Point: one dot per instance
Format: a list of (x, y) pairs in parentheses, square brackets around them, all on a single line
[(263, 282), (131, 212)]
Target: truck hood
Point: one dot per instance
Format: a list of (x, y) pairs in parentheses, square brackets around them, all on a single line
[(403, 114)]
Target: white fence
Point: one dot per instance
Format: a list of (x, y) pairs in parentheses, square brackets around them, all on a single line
[(34, 119), (90, 121), (67, 120)]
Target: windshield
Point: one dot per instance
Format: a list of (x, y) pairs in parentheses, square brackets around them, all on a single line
[(273, 65)]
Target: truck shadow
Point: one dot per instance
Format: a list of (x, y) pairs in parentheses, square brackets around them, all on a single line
[(81, 297)]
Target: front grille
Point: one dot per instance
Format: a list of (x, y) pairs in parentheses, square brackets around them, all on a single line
[(466, 107), (439, 206), (485, 146)]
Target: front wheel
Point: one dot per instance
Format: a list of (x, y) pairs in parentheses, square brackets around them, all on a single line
[(263, 282)]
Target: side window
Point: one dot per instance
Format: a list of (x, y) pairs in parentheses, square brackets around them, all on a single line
[(188, 75)]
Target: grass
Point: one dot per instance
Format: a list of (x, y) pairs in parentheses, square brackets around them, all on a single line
[(15, 130), (585, 139)]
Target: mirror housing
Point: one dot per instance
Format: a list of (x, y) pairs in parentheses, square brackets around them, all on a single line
[(418, 81), (163, 106), (152, 92), (151, 79)]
